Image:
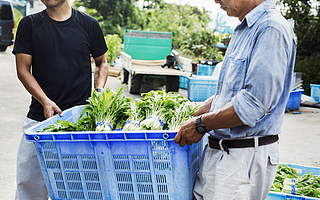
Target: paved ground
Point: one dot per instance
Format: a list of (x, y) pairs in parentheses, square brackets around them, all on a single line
[(299, 141)]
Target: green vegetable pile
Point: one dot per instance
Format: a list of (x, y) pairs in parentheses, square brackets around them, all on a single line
[(306, 185), (111, 111)]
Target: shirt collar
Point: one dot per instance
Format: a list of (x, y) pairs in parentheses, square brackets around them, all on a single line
[(256, 13)]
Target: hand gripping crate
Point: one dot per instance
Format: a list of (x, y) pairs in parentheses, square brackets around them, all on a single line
[(141, 165), (301, 170)]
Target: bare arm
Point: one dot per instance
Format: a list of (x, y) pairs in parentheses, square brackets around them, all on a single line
[(23, 65), (101, 72), (226, 117)]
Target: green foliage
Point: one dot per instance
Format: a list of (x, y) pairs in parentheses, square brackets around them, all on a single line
[(309, 66), (17, 17), (189, 25), (307, 29), (114, 47)]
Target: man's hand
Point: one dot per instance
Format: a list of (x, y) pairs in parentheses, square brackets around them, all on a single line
[(187, 133), (49, 108)]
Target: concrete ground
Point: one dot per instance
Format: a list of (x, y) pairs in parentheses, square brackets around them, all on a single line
[(299, 140)]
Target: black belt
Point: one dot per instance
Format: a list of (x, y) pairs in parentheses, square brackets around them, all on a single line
[(225, 144)]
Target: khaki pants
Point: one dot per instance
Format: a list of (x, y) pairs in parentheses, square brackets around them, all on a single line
[(244, 174), (30, 182)]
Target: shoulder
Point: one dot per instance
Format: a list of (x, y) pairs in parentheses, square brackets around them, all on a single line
[(84, 18), (33, 19)]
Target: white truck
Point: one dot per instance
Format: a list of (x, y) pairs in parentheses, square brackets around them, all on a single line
[(148, 59)]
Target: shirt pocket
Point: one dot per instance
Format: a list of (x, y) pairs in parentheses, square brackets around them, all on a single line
[(235, 76)]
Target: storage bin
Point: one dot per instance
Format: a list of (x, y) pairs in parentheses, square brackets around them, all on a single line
[(183, 82), (200, 88), (315, 92), (114, 165), (205, 69), (294, 100), (301, 169)]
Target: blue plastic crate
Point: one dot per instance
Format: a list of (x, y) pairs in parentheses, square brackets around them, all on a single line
[(315, 92), (114, 165), (294, 99), (183, 82), (205, 70), (301, 169), (200, 88)]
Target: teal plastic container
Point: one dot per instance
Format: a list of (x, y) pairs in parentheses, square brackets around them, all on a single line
[(315, 92), (114, 165), (147, 45), (200, 88)]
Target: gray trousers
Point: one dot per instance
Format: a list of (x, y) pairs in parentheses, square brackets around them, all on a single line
[(244, 173), (30, 182)]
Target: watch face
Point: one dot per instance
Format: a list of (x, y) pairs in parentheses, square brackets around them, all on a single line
[(200, 129)]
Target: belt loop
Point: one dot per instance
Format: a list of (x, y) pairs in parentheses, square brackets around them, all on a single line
[(220, 144), (256, 142)]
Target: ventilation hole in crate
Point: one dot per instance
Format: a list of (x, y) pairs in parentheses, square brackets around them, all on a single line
[(125, 187), (49, 145), (163, 197), (141, 157), (162, 188), (88, 157), (69, 157), (89, 165), (146, 197), (51, 155), (93, 186), (159, 36), (126, 196), (70, 164), (58, 176), (121, 165), (91, 176), (161, 155), (73, 176), (76, 195), (162, 166), (159, 145), (161, 178), (62, 194), (95, 195), (145, 188), (141, 166), (60, 185), (75, 185), (143, 178), (53, 164), (120, 157), (123, 177), (136, 34)]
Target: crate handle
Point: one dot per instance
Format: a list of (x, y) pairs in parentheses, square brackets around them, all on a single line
[(36, 138), (166, 136), (289, 197)]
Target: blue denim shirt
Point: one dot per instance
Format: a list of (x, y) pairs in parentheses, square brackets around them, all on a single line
[(256, 73)]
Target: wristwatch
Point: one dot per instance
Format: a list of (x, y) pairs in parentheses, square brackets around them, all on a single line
[(200, 127), (98, 90)]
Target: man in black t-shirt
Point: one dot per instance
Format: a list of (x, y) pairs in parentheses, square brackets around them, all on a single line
[(53, 50)]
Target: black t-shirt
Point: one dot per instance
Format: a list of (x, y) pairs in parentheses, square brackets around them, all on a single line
[(60, 53)]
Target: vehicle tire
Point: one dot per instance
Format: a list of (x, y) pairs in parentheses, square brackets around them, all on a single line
[(172, 84), (136, 84), (3, 48), (124, 74)]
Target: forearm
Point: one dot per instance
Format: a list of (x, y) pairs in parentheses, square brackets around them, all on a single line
[(226, 117), (101, 73)]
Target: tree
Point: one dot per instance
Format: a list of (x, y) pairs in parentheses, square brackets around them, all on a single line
[(305, 14)]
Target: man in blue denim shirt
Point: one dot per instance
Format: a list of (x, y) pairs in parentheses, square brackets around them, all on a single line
[(245, 116)]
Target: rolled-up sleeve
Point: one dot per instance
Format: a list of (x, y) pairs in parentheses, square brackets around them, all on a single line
[(248, 108)]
